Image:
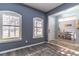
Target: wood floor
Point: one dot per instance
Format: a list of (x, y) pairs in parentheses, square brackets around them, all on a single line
[(66, 43), (41, 50)]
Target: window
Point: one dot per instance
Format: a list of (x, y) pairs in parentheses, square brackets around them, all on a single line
[(37, 27), (11, 26)]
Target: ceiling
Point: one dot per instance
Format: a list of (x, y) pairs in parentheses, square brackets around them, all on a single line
[(45, 7)]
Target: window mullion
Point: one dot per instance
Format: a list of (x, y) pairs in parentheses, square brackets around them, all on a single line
[(9, 32)]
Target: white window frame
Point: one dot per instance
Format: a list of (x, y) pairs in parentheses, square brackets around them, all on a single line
[(37, 20), (19, 26)]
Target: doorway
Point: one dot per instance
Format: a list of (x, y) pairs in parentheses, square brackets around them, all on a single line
[(51, 28)]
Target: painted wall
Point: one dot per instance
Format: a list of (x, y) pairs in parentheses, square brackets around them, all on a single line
[(27, 25)]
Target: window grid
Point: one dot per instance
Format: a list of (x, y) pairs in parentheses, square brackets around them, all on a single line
[(11, 24), (38, 28), (10, 30)]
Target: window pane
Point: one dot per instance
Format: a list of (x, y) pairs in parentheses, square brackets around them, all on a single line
[(14, 20), (17, 31), (5, 32), (39, 31), (17, 21), (11, 32), (39, 24), (5, 20), (35, 23), (10, 20), (35, 32)]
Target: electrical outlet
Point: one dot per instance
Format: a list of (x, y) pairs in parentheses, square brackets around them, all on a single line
[(26, 41)]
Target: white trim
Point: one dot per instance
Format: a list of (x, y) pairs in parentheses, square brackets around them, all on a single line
[(14, 49), (76, 52)]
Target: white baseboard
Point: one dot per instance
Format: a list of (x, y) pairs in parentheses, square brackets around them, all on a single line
[(14, 49)]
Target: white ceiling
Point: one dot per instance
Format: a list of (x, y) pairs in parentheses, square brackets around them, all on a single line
[(45, 7)]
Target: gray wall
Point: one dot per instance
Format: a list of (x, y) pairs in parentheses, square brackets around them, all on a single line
[(27, 25)]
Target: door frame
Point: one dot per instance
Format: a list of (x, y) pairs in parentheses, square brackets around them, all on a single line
[(50, 16)]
